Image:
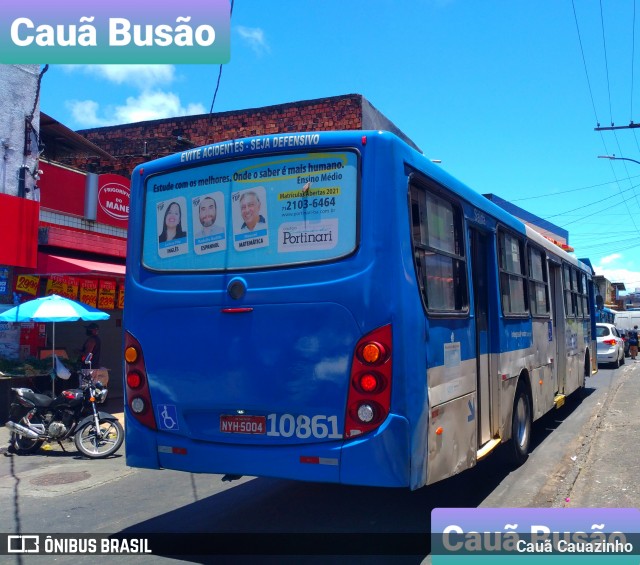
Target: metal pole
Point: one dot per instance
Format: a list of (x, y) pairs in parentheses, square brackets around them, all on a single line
[(53, 358), (614, 158)]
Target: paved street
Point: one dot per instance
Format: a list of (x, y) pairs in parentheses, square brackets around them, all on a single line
[(584, 456)]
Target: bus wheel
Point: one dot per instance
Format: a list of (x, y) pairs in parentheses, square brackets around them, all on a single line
[(587, 369), (587, 373), (520, 426)]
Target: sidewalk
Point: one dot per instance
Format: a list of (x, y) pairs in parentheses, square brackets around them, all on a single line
[(608, 477)]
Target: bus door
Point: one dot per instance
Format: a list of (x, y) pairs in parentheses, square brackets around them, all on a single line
[(481, 251), (558, 321)]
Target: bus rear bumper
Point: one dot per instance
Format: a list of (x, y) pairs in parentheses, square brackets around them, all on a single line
[(140, 446), (380, 458)]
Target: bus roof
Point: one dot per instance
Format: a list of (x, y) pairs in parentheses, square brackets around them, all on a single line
[(554, 249), (306, 141)]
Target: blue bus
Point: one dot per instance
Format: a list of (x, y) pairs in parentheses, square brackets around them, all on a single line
[(606, 315), (334, 307)]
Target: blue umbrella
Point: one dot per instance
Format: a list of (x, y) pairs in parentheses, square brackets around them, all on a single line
[(53, 308)]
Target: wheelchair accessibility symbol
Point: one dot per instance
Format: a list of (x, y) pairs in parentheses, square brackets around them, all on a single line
[(167, 417)]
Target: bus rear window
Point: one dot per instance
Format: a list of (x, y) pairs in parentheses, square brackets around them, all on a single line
[(260, 212)]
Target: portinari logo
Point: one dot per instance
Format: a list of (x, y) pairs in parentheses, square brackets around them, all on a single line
[(307, 236), (115, 32)]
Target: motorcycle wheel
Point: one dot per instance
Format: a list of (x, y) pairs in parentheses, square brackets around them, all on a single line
[(100, 443), (24, 445)]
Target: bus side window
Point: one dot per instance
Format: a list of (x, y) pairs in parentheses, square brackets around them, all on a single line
[(416, 221), (568, 302), (419, 269), (513, 284), (438, 252), (538, 285)]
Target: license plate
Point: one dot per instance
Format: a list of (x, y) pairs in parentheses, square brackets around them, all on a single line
[(232, 424)]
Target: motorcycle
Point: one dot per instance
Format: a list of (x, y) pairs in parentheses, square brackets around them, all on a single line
[(38, 418)]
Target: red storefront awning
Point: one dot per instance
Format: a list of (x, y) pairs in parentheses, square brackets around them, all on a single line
[(56, 265)]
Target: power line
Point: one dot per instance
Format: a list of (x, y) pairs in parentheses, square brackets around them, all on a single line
[(624, 163), (604, 144), (589, 215), (592, 204), (633, 50), (628, 241), (584, 62), (606, 62), (608, 252), (547, 194), (631, 125)]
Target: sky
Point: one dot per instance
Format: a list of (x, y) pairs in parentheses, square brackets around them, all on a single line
[(506, 93)]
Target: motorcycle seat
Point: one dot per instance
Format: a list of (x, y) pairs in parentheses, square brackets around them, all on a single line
[(40, 400)]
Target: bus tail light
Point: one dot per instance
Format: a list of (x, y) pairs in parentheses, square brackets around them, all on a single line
[(369, 382), (369, 399), (136, 383), (134, 379), (372, 353)]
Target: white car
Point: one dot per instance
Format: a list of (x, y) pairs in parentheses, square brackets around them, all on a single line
[(610, 344)]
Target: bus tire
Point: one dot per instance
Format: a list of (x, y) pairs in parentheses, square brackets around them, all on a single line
[(582, 390), (587, 367), (521, 425)]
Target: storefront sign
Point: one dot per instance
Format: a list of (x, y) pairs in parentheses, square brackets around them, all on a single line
[(89, 292), (55, 285), (70, 286), (113, 200), (27, 284), (107, 295), (63, 190)]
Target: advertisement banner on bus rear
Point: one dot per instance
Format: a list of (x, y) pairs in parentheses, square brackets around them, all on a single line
[(252, 213)]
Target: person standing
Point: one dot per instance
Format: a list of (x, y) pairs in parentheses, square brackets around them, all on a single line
[(633, 342), (92, 345)]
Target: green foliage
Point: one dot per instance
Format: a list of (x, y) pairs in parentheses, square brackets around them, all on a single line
[(30, 366)]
